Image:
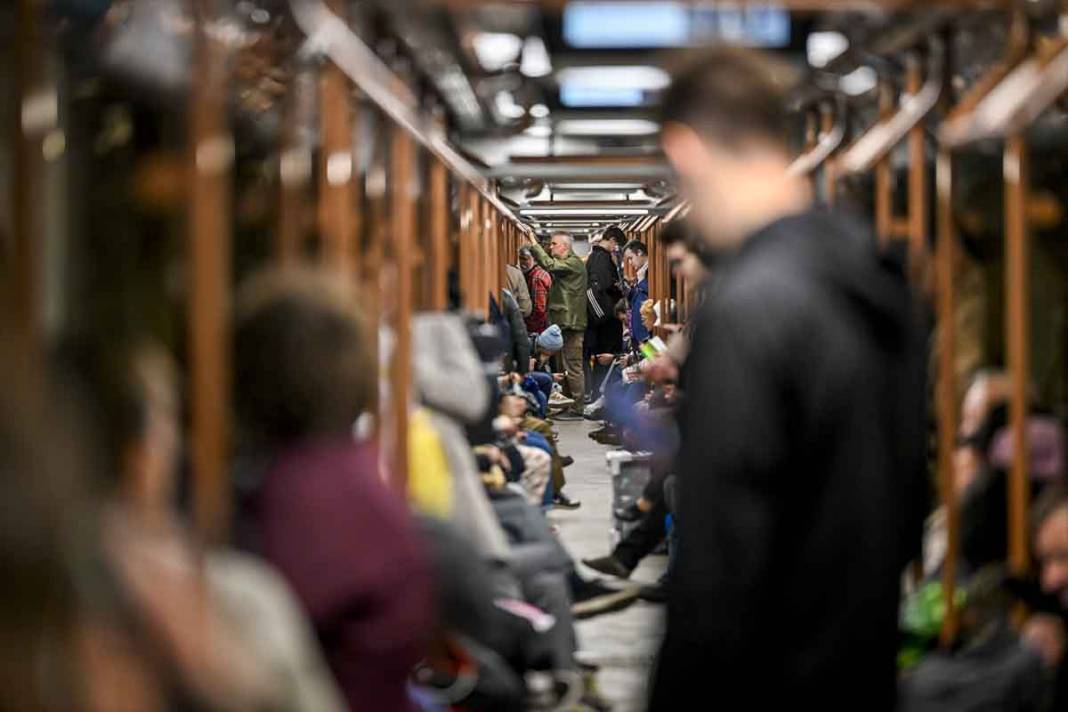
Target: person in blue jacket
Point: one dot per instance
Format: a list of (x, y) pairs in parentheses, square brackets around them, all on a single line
[(637, 254)]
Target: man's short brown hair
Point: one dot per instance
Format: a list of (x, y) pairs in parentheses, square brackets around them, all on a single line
[(730, 95), (302, 359)]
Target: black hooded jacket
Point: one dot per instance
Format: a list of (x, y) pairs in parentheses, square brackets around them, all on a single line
[(801, 476), (604, 333)]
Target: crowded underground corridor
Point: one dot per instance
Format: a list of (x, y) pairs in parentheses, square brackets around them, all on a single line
[(530, 355)]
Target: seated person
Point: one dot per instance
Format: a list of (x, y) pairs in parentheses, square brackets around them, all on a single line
[(320, 511), (517, 409), (541, 378)]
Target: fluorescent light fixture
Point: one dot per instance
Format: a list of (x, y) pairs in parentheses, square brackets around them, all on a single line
[(642, 77), (536, 61), (584, 211), (619, 25), (610, 86), (607, 127), (580, 96), (539, 111), (496, 50), (753, 25), (539, 131), (626, 24), (562, 196), (598, 186), (506, 106), (860, 81), (822, 47)]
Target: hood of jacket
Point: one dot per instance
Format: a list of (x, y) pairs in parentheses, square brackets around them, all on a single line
[(446, 370)]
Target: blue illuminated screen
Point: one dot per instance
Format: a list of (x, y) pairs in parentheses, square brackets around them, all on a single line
[(591, 25)]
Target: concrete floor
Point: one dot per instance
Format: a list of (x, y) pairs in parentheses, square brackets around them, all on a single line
[(623, 644)]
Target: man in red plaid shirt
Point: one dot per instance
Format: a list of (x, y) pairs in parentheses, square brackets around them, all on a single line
[(538, 282)]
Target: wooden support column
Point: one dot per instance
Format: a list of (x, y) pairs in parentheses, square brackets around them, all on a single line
[(917, 180), (337, 212), (482, 261), (294, 168), (1018, 342), (468, 231), (947, 396), (884, 179), (477, 227), (494, 245), (36, 112), (812, 131), (403, 237), (439, 235), (211, 154), (829, 177)]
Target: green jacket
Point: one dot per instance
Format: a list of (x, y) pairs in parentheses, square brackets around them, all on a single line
[(567, 298)]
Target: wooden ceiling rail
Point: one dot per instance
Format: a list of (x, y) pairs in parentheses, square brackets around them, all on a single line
[(364, 68), (1019, 99), (916, 105)]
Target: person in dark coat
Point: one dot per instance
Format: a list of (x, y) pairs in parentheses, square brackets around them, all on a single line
[(801, 470), (604, 332)]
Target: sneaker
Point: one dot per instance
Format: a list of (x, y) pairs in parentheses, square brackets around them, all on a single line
[(561, 501), (558, 399), (608, 565), (567, 461), (566, 415), (596, 599)]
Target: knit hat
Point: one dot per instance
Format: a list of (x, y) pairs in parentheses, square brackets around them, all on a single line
[(551, 340)]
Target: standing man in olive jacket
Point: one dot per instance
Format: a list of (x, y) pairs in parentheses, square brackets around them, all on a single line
[(567, 309)]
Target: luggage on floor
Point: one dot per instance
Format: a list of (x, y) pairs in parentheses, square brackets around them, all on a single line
[(630, 472)]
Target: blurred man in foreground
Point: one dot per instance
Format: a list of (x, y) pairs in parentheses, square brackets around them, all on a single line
[(802, 427)]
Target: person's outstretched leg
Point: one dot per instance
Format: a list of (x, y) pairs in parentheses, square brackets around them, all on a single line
[(635, 546)]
